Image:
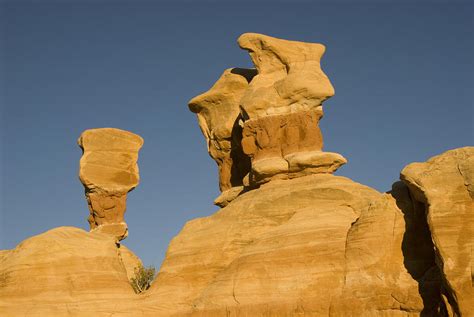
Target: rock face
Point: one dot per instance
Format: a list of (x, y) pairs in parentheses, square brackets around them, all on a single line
[(268, 253), (444, 186), (108, 170), (129, 260), (319, 245)]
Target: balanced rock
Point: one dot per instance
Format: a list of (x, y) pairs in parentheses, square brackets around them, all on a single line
[(289, 76), (282, 107), (108, 170), (263, 124)]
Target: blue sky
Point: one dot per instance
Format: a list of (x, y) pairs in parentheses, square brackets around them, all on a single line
[(403, 75)]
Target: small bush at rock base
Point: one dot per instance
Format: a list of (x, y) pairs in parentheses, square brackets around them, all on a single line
[(143, 278)]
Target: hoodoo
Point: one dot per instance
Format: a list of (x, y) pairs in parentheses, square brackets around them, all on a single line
[(108, 170), (263, 124)]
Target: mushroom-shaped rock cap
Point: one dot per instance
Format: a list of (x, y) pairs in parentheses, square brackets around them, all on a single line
[(108, 170), (109, 161), (289, 77), (269, 52)]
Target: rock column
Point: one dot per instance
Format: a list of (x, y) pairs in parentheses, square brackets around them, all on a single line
[(282, 107), (108, 170)]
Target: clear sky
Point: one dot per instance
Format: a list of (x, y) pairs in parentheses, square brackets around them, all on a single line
[(403, 75)]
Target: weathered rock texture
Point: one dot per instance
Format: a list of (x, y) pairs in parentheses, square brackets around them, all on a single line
[(267, 252), (292, 239), (108, 170), (444, 185), (129, 260), (319, 245), (282, 107), (64, 272), (218, 114), (263, 124)]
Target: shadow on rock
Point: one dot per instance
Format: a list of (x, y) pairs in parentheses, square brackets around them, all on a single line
[(418, 252)]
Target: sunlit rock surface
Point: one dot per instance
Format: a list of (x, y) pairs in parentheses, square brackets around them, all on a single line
[(108, 170), (444, 185), (64, 272), (291, 239), (218, 112), (282, 107)]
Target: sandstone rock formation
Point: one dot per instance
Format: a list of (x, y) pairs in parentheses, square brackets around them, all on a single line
[(282, 108), (292, 239), (444, 186), (63, 272), (129, 260), (108, 171), (279, 106), (218, 114), (319, 245), (268, 253)]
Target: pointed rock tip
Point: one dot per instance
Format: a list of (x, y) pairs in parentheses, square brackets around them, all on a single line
[(237, 75)]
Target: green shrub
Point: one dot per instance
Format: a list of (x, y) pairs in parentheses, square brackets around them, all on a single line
[(143, 278)]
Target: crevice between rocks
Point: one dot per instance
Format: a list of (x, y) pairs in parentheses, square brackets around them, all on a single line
[(421, 257), (349, 230)]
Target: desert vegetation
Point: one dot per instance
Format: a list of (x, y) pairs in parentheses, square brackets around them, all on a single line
[(143, 278)]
